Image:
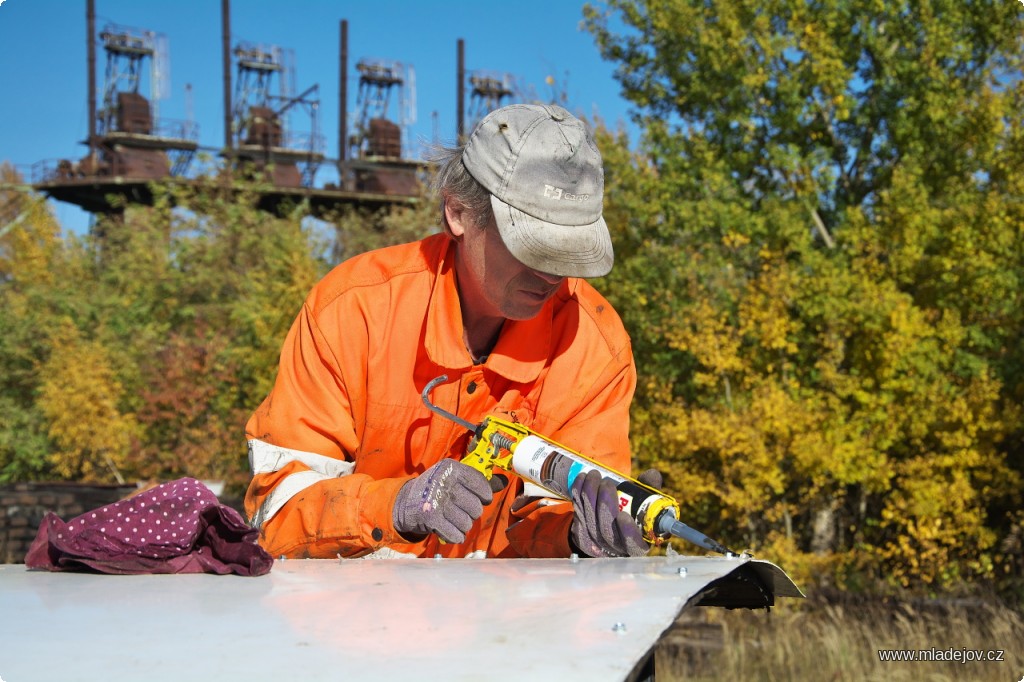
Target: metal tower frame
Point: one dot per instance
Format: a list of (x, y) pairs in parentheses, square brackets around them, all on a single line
[(257, 66), (489, 90), (377, 79), (127, 49)]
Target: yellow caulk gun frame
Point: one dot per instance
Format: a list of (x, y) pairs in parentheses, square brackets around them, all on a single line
[(508, 446)]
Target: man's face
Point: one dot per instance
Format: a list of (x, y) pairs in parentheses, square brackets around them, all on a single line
[(493, 283)]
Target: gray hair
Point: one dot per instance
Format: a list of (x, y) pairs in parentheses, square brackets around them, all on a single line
[(452, 182)]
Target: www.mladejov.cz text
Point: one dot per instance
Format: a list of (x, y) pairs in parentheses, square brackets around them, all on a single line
[(949, 654)]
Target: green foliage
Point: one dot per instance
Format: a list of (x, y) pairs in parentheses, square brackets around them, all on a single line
[(140, 350), (819, 259), (30, 255), (23, 443)]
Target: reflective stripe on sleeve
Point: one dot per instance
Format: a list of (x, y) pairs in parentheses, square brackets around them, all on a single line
[(265, 458), (533, 490)]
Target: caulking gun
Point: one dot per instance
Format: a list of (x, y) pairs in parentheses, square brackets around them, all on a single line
[(505, 445)]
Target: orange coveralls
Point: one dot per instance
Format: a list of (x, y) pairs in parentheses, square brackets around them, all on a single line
[(345, 426)]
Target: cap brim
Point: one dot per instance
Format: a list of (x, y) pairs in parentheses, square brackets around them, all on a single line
[(563, 250)]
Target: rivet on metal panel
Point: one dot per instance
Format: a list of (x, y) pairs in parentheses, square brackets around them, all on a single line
[(619, 627)]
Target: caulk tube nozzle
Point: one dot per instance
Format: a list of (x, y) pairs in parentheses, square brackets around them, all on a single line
[(668, 523)]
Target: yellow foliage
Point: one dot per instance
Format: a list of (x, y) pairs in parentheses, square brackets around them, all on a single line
[(78, 396), (763, 314), (807, 569), (27, 251), (708, 335), (733, 240)]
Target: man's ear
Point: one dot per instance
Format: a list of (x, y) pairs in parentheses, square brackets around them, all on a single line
[(456, 216)]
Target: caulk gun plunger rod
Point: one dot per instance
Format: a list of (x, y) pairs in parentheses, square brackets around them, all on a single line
[(668, 523), (425, 395)]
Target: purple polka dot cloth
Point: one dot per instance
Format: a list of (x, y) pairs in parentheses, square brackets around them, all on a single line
[(175, 527)]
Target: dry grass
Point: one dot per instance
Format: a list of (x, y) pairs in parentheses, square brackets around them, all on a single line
[(839, 639)]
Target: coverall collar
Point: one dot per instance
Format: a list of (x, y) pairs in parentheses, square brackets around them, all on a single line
[(522, 347)]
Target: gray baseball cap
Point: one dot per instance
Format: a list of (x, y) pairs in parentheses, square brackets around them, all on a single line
[(546, 180)]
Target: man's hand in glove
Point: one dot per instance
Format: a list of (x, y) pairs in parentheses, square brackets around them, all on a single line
[(445, 499), (599, 528)]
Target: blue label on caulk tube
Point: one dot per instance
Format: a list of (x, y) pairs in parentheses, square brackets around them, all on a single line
[(575, 470)]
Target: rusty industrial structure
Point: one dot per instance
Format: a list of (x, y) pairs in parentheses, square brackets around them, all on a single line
[(261, 144), (130, 146), (375, 162), (489, 92), (126, 140)]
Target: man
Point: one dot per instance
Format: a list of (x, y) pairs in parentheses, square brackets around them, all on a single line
[(346, 458)]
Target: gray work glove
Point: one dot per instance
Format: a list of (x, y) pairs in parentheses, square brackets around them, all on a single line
[(445, 499), (653, 478), (599, 529), (610, 532)]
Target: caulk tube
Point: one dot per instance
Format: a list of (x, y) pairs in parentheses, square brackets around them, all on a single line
[(556, 468)]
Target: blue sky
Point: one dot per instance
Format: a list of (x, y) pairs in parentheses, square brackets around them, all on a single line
[(44, 113)]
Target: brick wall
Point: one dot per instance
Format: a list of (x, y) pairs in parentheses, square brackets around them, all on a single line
[(23, 505)]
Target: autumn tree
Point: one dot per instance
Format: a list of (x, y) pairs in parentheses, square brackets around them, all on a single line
[(819, 259), (79, 395), (215, 305), (30, 249), (138, 350)]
